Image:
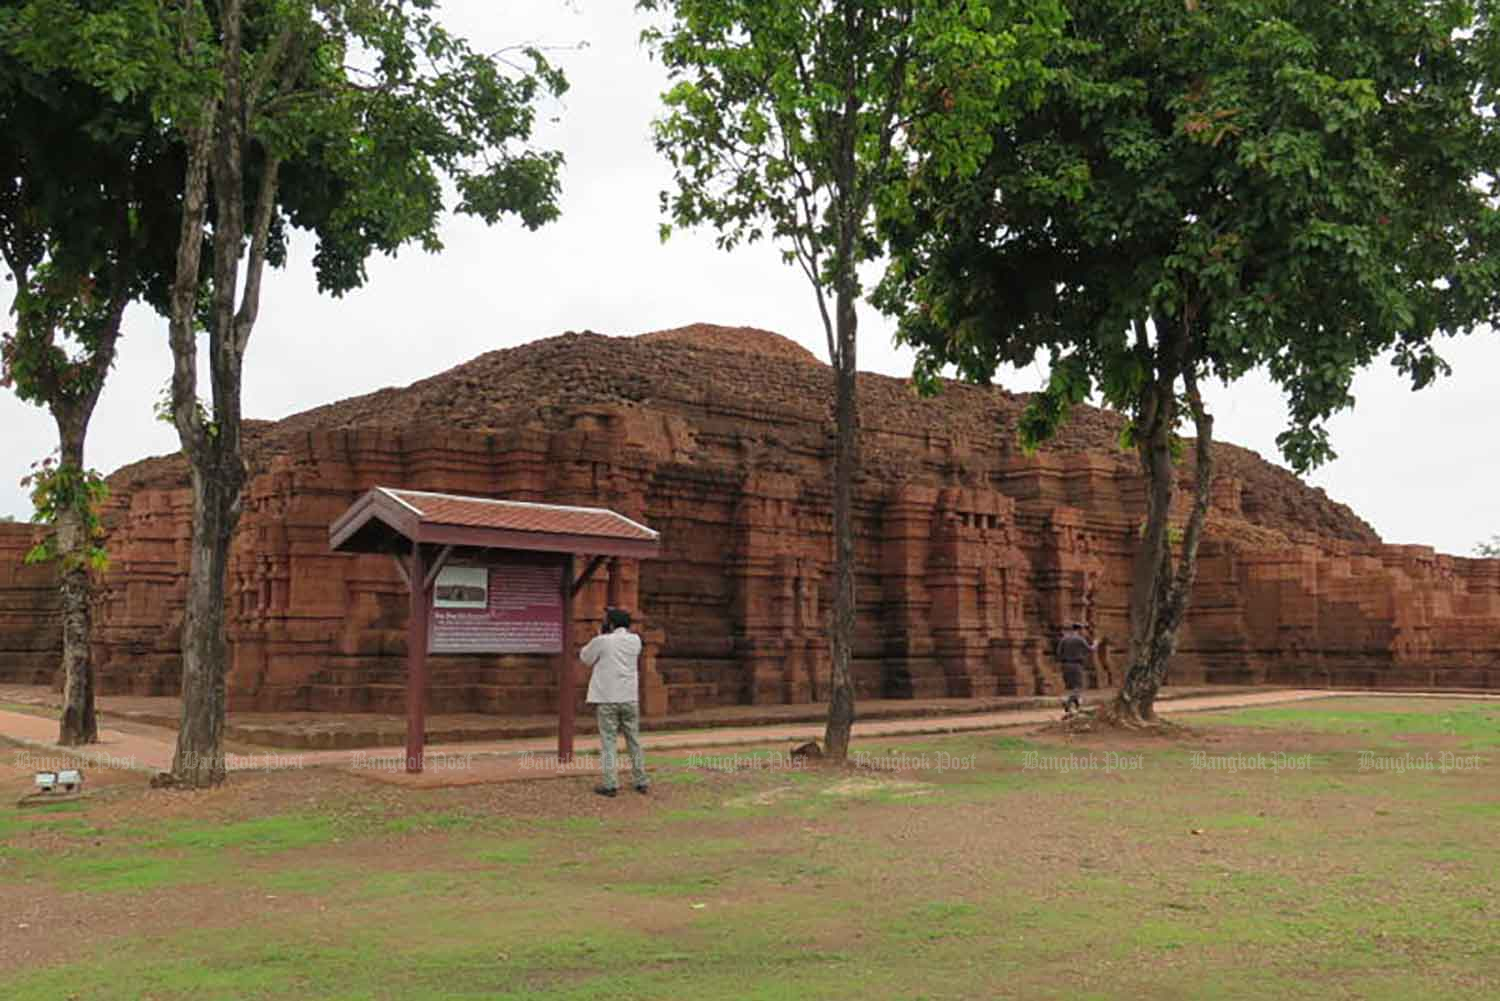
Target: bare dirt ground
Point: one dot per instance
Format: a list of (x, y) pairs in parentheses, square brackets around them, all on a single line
[(121, 800)]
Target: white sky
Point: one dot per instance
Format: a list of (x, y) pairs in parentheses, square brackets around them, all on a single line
[(1421, 468)]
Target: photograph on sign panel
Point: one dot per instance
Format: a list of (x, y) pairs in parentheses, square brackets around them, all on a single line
[(462, 587)]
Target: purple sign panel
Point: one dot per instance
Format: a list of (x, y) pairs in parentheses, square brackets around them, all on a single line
[(508, 608)]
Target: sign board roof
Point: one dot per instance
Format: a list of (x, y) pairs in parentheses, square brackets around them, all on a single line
[(390, 520)]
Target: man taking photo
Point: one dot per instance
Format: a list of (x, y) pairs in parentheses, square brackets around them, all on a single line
[(614, 692)]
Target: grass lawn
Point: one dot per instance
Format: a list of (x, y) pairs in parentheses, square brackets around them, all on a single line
[(1347, 848)]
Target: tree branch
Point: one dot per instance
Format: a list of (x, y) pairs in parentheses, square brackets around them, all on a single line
[(229, 221), (182, 328), (895, 96), (265, 213), (805, 248), (267, 69), (1187, 566)]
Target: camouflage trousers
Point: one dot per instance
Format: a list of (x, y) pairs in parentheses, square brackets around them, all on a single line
[(615, 718)]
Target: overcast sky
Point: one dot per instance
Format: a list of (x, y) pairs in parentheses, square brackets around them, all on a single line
[(1422, 468)]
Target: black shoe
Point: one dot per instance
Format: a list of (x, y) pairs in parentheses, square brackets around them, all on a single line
[(643, 789), (605, 791)]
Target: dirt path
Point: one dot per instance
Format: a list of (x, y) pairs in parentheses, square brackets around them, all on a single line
[(149, 749)]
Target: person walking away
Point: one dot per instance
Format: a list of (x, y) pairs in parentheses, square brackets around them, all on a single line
[(614, 691), (1074, 650)]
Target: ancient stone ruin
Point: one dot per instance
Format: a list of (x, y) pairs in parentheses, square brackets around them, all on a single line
[(972, 555)]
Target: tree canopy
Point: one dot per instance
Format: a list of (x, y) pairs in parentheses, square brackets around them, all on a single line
[(88, 224), (372, 108), (798, 120), (1310, 186)]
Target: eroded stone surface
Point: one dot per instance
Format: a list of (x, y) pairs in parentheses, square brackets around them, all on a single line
[(972, 555), (30, 615)]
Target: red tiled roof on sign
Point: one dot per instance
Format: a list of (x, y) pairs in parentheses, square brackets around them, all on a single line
[(518, 516)]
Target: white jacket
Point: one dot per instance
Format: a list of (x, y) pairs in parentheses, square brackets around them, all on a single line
[(615, 658)]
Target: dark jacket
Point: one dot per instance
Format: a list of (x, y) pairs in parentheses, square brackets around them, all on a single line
[(1074, 650)]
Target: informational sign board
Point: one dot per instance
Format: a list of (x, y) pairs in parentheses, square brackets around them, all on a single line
[(511, 607)]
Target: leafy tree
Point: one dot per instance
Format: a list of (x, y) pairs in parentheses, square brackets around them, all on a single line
[(345, 117), (794, 120), (1489, 549), (1211, 188), (86, 227)]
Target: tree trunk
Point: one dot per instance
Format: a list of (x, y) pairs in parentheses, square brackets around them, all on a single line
[(845, 466), (1160, 594), (199, 761), (78, 724), (1152, 566), (216, 147)]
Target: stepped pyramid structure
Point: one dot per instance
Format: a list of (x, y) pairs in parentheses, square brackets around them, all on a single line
[(972, 555)]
